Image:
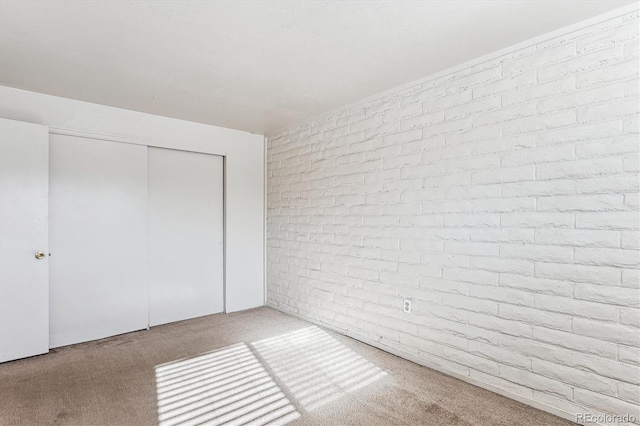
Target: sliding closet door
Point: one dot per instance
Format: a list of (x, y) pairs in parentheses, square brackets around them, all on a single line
[(185, 235), (98, 239)]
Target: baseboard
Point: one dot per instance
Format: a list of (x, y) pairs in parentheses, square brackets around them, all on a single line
[(399, 353)]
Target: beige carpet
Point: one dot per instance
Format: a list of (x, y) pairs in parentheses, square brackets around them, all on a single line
[(253, 367)]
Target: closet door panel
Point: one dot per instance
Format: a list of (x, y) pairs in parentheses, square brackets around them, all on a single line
[(185, 235), (98, 239)]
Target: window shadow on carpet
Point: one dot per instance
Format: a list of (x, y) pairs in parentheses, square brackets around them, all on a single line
[(271, 381)]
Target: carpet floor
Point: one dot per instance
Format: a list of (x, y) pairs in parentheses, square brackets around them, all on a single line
[(253, 367)]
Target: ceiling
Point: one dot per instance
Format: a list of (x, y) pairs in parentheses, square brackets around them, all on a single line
[(255, 65)]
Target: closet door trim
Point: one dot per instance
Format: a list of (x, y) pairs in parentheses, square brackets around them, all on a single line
[(123, 139)]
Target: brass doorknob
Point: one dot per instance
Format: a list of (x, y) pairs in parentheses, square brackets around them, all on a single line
[(40, 255)]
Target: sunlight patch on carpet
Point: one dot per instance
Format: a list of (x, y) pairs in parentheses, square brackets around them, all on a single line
[(228, 386), (314, 367), (271, 381)]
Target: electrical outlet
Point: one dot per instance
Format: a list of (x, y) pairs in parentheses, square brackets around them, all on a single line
[(406, 307)]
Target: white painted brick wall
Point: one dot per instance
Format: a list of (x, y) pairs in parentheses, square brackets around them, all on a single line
[(502, 198)]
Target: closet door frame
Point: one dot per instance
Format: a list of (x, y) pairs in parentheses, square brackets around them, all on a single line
[(152, 144)]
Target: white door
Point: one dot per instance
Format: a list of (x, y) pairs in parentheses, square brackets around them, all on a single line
[(98, 222), (185, 235), (24, 262)]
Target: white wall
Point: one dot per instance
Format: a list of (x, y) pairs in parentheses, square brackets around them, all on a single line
[(244, 170), (501, 197)]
